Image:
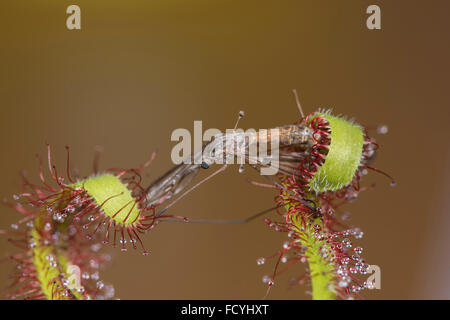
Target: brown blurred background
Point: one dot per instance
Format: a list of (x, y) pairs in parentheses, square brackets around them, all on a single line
[(137, 70)]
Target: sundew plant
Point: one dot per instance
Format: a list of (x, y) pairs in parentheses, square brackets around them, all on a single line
[(323, 179), (65, 220)]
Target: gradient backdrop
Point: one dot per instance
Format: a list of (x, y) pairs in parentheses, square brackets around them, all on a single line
[(140, 69)]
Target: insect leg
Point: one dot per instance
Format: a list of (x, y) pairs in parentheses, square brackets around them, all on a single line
[(303, 201), (160, 212), (298, 103), (223, 221)]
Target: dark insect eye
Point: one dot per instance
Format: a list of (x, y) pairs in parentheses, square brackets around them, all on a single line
[(204, 165)]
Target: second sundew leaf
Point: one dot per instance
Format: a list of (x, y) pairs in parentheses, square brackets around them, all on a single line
[(113, 196), (343, 158), (322, 269)]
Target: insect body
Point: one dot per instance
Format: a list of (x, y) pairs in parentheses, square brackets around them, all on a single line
[(313, 153), (232, 145)]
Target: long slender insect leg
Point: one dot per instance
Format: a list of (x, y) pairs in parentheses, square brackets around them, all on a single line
[(205, 221), (190, 189), (298, 103), (303, 201)]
